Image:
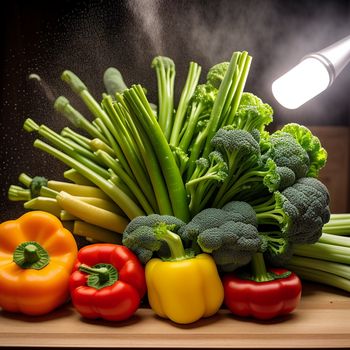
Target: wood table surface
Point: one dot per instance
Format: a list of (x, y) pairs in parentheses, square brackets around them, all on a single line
[(322, 320)]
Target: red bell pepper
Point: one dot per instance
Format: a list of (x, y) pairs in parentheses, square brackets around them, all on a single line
[(108, 282), (265, 294)]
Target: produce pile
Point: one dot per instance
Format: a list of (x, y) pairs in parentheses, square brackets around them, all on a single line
[(198, 191)]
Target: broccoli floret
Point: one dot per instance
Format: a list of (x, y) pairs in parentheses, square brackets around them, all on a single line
[(299, 211), (252, 113), (247, 172), (36, 184), (239, 148), (216, 74), (231, 244), (311, 198), (311, 144), (146, 235), (287, 152), (181, 158), (204, 180), (229, 234), (244, 212), (287, 177)]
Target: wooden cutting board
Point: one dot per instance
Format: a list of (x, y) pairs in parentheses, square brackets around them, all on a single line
[(321, 321)]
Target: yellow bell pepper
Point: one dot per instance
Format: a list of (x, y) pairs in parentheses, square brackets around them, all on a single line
[(37, 255), (184, 290)]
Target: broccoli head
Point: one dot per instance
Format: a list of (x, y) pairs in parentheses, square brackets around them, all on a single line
[(229, 234), (216, 74), (146, 235), (252, 113), (287, 152), (311, 144), (286, 176), (299, 211), (204, 95), (36, 184), (204, 180), (248, 173), (243, 212)]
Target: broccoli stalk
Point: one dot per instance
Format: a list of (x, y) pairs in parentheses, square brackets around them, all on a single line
[(200, 106), (205, 179), (163, 233), (229, 96), (300, 211), (241, 153), (259, 273)]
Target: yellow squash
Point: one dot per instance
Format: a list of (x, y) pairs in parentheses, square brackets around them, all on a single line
[(37, 255)]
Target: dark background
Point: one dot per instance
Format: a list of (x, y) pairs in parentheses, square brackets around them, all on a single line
[(86, 37)]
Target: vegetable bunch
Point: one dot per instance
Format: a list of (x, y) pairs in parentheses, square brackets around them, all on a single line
[(206, 160)]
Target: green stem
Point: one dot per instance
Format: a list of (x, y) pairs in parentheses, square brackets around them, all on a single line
[(59, 142), (324, 251), (216, 114), (174, 243), (114, 145), (335, 240), (63, 106), (129, 207), (130, 150), (338, 269), (17, 193), (244, 70), (186, 139), (31, 255), (134, 188), (149, 157), (97, 144), (259, 268), (176, 188), (259, 272), (80, 139), (77, 178), (165, 71), (187, 92), (321, 277), (25, 179), (100, 275)]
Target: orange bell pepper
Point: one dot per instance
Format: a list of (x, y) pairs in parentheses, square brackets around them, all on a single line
[(37, 255)]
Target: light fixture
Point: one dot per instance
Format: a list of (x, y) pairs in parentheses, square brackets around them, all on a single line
[(312, 75)]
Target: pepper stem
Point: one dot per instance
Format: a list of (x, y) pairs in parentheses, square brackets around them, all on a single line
[(100, 275), (31, 255)]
